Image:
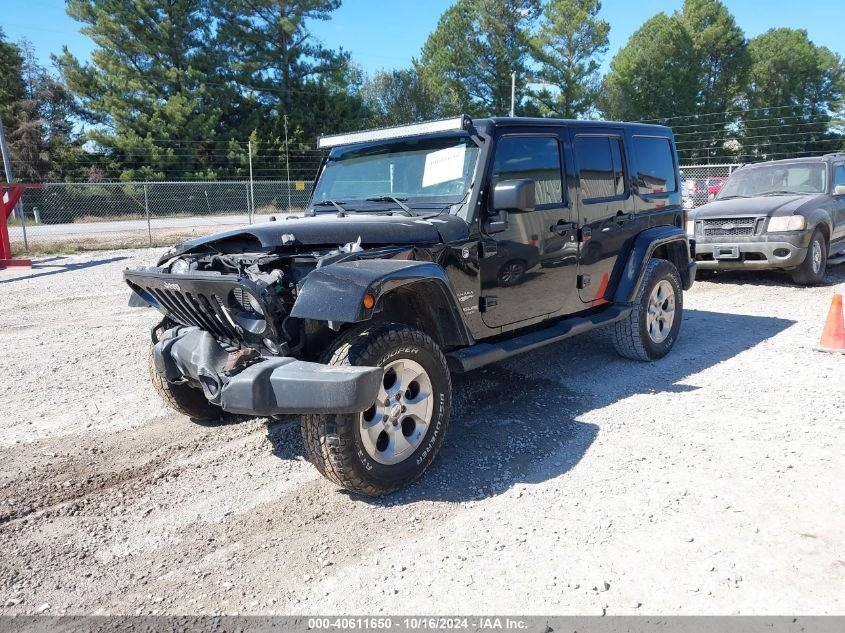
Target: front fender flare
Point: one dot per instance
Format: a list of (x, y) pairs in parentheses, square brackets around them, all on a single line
[(336, 292)]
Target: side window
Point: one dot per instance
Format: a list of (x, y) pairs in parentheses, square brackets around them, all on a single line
[(839, 175), (534, 157), (655, 164), (600, 167)]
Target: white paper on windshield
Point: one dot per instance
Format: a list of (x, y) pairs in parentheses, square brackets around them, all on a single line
[(444, 165)]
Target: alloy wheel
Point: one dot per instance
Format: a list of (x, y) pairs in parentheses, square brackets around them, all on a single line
[(393, 428), (661, 311)]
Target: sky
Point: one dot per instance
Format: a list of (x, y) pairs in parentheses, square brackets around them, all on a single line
[(384, 34)]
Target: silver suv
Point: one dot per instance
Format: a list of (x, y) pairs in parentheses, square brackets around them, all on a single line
[(784, 214)]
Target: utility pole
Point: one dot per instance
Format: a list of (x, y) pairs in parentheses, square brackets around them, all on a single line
[(287, 159), (251, 210), (513, 94)]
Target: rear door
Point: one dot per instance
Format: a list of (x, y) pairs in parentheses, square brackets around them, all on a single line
[(604, 206)]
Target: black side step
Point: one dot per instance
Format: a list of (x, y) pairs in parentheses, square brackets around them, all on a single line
[(469, 358)]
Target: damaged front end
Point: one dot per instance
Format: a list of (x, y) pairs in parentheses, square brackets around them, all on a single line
[(262, 385), (228, 331)]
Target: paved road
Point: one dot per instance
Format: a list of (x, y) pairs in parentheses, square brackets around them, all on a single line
[(50, 231)]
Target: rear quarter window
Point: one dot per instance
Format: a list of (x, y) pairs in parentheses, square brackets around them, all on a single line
[(655, 165)]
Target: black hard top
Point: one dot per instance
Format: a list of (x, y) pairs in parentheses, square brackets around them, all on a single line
[(571, 123)]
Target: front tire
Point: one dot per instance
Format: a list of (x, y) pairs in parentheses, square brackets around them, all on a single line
[(395, 441), (182, 398), (651, 329), (812, 270)]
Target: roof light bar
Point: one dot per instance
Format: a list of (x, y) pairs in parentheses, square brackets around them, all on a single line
[(457, 124)]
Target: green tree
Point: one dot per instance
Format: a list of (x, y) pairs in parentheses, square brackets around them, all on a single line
[(394, 97), (794, 87), (281, 69), (654, 76), (151, 88), (721, 53), (566, 48), (469, 58), (41, 139), (11, 75)]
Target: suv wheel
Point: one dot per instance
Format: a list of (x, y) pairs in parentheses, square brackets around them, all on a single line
[(394, 441), (182, 398), (650, 331), (812, 270)]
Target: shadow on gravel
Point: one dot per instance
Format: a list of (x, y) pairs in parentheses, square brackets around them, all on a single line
[(61, 268), (770, 278), (517, 421)]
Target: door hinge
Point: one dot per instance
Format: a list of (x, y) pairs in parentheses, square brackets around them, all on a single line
[(583, 281), (487, 303)]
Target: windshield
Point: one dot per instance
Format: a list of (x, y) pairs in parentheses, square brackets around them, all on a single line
[(418, 171), (795, 178)]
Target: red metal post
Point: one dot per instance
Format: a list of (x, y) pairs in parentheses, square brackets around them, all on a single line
[(6, 207)]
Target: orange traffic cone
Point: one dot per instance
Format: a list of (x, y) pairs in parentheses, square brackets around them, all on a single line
[(833, 335)]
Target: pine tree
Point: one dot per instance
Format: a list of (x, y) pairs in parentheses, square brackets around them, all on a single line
[(151, 89), (280, 69), (567, 47), (469, 58)]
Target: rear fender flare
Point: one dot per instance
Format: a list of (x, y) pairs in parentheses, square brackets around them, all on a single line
[(672, 243)]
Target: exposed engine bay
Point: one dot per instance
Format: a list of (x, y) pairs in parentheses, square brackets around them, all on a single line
[(244, 298)]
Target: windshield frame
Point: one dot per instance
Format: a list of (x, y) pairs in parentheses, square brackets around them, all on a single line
[(727, 193), (431, 205)]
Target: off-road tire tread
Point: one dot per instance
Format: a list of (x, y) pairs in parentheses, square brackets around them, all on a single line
[(184, 399), (325, 436), (626, 333)]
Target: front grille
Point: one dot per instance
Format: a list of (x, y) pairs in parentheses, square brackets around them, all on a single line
[(222, 305), (204, 311), (729, 226)]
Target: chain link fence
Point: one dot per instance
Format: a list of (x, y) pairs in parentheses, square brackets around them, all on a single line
[(701, 183), (82, 216)]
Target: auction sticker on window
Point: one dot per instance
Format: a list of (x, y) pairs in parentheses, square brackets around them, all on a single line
[(444, 165)]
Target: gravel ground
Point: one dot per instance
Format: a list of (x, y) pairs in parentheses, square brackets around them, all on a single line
[(571, 481)]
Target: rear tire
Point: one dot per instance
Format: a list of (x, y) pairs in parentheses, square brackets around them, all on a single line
[(395, 441), (812, 270), (182, 398), (650, 331)]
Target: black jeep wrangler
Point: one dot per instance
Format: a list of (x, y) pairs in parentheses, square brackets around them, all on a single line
[(426, 249)]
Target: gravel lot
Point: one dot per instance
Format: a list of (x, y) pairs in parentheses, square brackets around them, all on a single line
[(571, 481)]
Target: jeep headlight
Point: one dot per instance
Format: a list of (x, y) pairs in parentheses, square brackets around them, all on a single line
[(180, 267), (787, 223), (690, 227)]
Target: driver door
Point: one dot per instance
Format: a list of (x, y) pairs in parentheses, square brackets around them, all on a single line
[(529, 268)]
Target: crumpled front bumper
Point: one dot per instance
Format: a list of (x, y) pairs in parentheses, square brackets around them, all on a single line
[(269, 386)]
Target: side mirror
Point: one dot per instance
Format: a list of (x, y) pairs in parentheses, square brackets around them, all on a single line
[(515, 196), (839, 190)]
